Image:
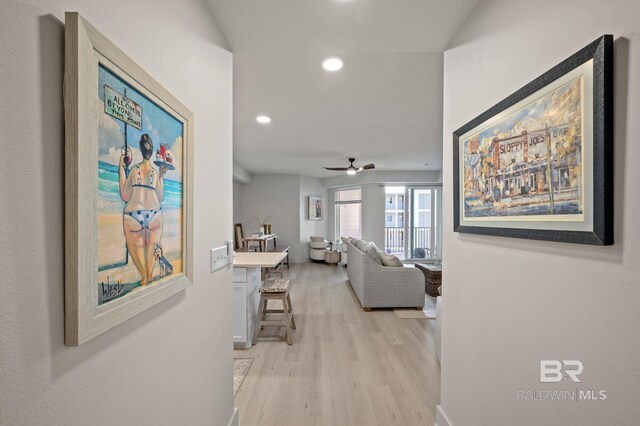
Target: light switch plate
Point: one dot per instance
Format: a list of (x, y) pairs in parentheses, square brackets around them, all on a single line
[(219, 258)]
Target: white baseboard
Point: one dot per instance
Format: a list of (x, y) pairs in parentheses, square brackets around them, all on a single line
[(441, 417), (233, 421)]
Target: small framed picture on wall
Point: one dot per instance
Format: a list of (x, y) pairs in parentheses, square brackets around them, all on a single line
[(316, 208)]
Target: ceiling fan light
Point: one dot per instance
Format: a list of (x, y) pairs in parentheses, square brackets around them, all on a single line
[(351, 171)]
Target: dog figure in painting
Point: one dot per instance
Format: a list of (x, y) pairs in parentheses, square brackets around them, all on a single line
[(165, 266)]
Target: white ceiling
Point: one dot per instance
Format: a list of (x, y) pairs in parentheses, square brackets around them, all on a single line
[(384, 106)]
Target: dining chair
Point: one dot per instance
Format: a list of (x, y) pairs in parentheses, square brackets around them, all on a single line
[(239, 243)]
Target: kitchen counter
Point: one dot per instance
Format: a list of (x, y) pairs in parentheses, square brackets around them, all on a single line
[(246, 295), (250, 259)]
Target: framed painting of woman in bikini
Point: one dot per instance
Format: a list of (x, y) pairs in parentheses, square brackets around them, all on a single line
[(129, 187)]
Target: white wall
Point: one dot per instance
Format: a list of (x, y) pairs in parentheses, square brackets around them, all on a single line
[(282, 200), (373, 198), (274, 199), (240, 174), (312, 186), (511, 302), (172, 363)]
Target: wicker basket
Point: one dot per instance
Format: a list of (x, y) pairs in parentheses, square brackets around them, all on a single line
[(432, 278)]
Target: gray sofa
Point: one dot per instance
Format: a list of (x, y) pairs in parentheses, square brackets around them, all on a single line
[(383, 286)]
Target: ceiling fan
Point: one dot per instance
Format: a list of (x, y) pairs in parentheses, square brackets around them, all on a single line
[(352, 170)]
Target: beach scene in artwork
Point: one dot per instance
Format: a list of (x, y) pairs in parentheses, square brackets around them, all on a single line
[(140, 192), (528, 163)]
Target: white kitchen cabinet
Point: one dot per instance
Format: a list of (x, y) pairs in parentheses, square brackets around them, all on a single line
[(246, 283)]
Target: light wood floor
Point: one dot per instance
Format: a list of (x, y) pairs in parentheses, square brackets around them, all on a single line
[(345, 367)]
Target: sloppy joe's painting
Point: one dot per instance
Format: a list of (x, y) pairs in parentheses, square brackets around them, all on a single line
[(529, 163), (140, 197)]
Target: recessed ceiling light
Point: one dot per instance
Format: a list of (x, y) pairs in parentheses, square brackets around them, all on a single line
[(332, 64), (263, 119)]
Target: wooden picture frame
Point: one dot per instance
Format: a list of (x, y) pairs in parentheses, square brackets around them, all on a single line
[(539, 164), (316, 208), (91, 183)]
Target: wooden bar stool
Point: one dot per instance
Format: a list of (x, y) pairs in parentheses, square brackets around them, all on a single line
[(275, 289)]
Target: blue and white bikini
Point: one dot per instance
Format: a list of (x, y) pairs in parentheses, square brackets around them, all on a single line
[(143, 217)]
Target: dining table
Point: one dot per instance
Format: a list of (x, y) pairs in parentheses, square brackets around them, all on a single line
[(262, 240)]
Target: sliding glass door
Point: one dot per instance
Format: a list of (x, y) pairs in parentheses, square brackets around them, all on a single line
[(394, 227), (413, 221), (424, 227)]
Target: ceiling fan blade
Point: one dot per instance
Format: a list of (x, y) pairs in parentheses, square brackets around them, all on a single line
[(337, 169), (366, 167)]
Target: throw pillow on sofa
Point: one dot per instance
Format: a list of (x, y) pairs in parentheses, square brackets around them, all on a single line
[(364, 245), (389, 259), (372, 251), (359, 244)]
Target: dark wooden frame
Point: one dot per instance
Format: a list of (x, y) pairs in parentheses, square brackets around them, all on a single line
[(601, 51)]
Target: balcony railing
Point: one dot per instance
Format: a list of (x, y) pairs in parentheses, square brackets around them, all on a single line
[(394, 241)]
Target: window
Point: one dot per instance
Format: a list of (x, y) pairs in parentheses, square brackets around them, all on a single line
[(424, 218), (394, 228), (424, 201), (348, 212), (416, 232), (349, 194)]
